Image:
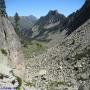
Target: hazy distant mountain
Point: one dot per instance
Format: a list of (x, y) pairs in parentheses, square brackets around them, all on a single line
[(26, 23)]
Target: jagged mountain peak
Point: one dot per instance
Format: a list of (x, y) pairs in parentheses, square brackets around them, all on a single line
[(53, 12), (52, 20), (55, 16), (52, 15)]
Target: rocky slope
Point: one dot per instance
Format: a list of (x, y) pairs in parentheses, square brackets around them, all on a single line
[(65, 66), (11, 56)]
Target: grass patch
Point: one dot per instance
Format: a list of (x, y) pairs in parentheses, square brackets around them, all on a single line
[(20, 82), (56, 84), (34, 48), (29, 84)]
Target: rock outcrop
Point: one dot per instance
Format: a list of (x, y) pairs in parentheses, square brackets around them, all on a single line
[(7, 79), (11, 55)]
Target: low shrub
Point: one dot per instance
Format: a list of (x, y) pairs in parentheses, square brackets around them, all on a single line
[(4, 52)]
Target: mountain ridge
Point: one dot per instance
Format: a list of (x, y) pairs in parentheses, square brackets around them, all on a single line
[(77, 18), (49, 23)]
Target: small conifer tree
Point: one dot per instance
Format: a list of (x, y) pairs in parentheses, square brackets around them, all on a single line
[(3, 8), (16, 19)]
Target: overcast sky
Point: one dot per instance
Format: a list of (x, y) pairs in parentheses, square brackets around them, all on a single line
[(41, 7)]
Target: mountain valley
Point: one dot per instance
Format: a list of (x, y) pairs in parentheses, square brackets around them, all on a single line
[(52, 53)]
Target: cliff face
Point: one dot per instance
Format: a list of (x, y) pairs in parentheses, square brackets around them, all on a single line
[(11, 56)]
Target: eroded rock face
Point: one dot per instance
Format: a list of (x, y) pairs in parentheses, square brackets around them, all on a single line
[(65, 66)]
